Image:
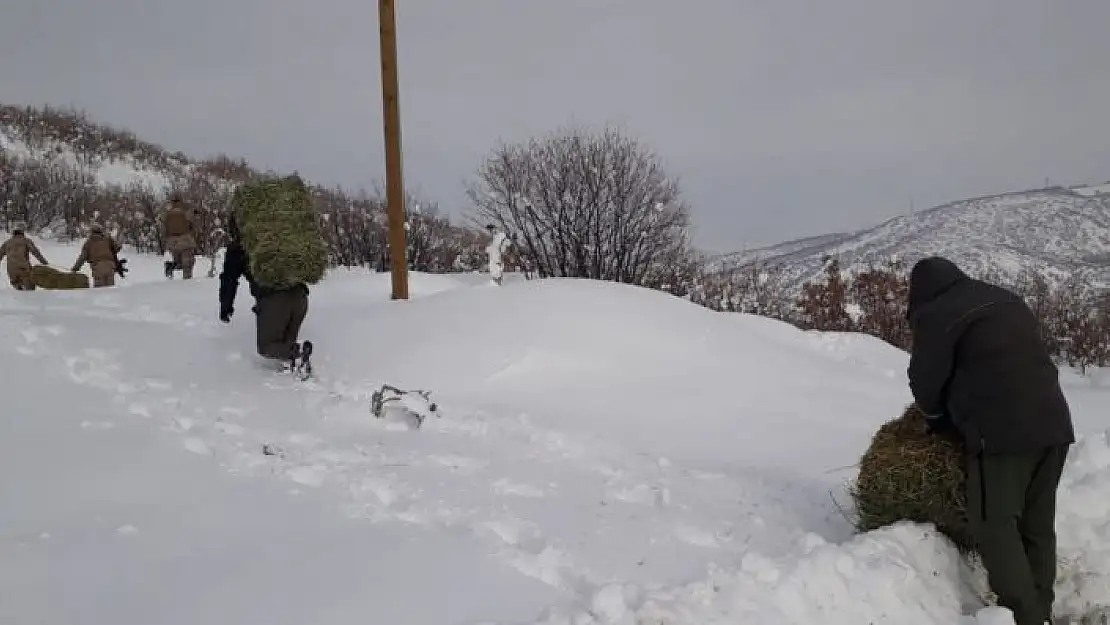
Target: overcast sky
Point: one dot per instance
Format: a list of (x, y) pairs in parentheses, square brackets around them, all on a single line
[(782, 118)]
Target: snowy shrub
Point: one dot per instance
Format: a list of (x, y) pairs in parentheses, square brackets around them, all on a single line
[(879, 294), (824, 303), (753, 288), (908, 474), (584, 204)]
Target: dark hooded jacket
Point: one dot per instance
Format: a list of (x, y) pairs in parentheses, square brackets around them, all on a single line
[(237, 265), (978, 360)]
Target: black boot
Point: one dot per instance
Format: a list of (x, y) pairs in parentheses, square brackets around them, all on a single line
[(305, 365)]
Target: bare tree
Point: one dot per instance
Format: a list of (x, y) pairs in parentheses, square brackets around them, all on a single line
[(585, 205)]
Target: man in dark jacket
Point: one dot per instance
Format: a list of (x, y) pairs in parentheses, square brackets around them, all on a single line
[(979, 365), (279, 313)]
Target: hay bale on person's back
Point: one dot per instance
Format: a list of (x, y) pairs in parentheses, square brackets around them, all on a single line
[(46, 277), (277, 223), (908, 474)]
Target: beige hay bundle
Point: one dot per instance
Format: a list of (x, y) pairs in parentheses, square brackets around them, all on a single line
[(909, 474), (45, 277)]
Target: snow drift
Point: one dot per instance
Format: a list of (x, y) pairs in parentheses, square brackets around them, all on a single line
[(606, 454)]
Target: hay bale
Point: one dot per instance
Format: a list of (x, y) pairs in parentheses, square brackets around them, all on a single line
[(908, 474), (278, 227), (46, 277)]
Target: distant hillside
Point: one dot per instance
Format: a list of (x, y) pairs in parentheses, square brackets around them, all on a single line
[(1057, 232), (59, 170)]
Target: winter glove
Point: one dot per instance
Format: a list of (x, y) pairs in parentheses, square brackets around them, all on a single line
[(939, 425), (225, 313)]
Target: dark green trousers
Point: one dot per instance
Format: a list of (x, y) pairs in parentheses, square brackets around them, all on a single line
[(278, 322), (1012, 510)]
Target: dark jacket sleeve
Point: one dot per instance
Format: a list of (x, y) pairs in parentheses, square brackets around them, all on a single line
[(235, 263), (931, 365)]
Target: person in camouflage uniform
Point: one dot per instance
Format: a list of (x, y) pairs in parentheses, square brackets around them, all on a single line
[(18, 250), (100, 251), (179, 233)]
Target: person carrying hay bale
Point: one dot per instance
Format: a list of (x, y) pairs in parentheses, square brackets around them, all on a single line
[(18, 250), (979, 368), (276, 244)]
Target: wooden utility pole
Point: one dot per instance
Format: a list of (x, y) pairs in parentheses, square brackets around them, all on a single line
[(394, 179)]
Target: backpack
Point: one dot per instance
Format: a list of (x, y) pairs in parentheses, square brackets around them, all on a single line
[(279, 232)]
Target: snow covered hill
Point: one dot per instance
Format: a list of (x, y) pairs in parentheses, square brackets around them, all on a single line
[(88, 148), (59, 171), (605, 455), (1056, 231)]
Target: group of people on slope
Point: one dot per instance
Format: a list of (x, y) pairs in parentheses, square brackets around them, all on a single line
[(279, 313), (101, 251)]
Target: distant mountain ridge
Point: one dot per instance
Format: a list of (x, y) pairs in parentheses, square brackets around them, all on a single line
[(1057, 231)]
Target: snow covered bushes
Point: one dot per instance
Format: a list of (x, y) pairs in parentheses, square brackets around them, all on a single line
[(58, 169), (909, 474), (581, 204), (753, 288), (1073, 316)]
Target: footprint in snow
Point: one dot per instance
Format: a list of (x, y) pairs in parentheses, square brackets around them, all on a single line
[(230, 429), (696, 536), (380, 489), (92, 370), (197, 446), (105, 301), (157, 385), (513, 531), (98, 425), (550, 565), (308, 476), (506, 487), (458, 462), (298, 438), (643, 494)]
